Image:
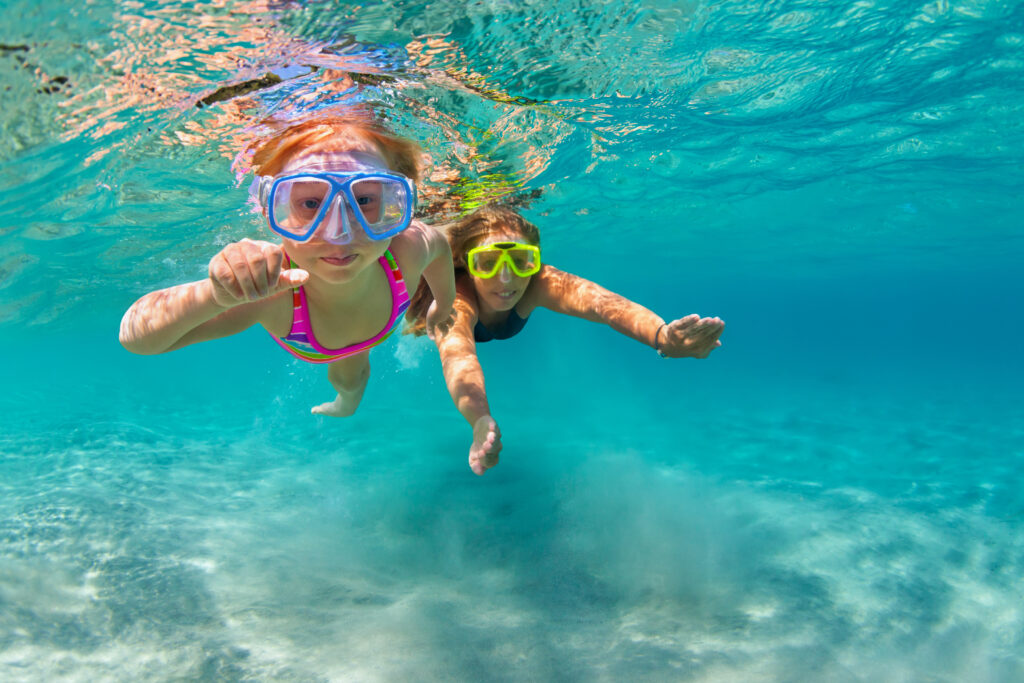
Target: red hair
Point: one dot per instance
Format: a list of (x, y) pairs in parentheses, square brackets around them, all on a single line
[(330, 133)]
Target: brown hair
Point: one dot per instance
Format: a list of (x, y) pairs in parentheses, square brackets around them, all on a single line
[(272, 153), (463, 235)]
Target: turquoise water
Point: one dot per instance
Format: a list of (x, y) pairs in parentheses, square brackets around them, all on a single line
[(834, 495)]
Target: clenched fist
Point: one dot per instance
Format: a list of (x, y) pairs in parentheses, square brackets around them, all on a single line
[(250, 270)]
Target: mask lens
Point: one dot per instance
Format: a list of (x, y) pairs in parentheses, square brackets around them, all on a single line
[(486, 262), (383, 203), (524, 261), (297, 203)]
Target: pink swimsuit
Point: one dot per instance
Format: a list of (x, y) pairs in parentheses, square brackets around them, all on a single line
[(301, 342)]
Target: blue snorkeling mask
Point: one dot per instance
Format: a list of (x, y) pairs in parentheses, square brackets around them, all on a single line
[(305, 203)]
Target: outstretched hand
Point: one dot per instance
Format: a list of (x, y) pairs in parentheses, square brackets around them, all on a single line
[(690, 337), (438, 321), (250, 270), (483, 454)]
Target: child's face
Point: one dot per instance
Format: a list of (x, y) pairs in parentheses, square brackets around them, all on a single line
[(337, 263), (503, 291)]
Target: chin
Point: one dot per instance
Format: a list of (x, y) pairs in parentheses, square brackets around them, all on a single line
[(505, 304), (335, 275)]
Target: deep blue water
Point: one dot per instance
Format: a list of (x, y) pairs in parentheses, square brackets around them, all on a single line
[(835, 494)]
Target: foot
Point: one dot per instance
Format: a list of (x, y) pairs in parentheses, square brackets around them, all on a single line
[(483, 454), (348, 376), (339, 407)]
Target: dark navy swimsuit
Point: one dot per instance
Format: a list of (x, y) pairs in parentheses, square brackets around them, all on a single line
[(510, 328)]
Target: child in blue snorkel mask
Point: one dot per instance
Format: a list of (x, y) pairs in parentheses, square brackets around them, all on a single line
[(501, 280), (340, 194)]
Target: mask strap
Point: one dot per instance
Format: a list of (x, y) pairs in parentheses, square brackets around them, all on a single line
[(259, 189)]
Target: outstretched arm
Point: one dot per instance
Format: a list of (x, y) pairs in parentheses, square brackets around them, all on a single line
[(465, 380), (242, 276), (691, 336)]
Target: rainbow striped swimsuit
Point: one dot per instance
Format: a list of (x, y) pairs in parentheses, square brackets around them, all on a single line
[(301, 342)]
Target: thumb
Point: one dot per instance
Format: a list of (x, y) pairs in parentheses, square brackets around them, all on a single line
[(293, 277)]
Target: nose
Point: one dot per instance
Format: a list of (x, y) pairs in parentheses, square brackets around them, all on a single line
[(505, 274), (334, 226)]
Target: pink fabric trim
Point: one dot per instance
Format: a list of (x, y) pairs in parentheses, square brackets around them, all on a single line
[(302, 327)]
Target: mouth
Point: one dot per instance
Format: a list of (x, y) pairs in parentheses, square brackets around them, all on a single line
[(340, 260), (506, 296)]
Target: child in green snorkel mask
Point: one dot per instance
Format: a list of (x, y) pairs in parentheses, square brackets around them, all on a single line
[(500, 280), (340, 194)]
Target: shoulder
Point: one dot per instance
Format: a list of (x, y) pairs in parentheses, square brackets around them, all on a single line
[(549, 276), (409, 243), (410, 248), (549, 285), (564, 292), (417, 245), (418, 237)]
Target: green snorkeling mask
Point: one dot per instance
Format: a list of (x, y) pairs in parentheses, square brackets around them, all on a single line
[(485, 261)]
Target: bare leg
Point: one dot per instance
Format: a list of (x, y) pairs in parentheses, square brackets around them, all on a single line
[(348, 376)]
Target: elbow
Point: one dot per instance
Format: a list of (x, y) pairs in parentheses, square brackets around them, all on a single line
[(135, 345), (138, 350), (128, 339), (126, 342), (132, 341)]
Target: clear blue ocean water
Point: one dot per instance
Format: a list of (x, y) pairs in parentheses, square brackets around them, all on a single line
[(834, 495)]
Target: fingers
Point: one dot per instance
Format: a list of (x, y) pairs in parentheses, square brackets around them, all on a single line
[(224, 281), (267, 273), (693, 325), (686, 321), (685, 328), (708, 328), (242, 274), (714, 322), (704, 339), (439, 328), (693, 322), (483, 454), (480, 461), (249, 270), (444, 326), (692, 336)]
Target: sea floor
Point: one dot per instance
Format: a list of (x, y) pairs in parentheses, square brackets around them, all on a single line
[(811, 534)]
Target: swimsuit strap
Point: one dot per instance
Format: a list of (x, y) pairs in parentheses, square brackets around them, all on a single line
[(302, 343)]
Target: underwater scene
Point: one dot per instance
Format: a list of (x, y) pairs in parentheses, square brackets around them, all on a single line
[(834, 494)]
